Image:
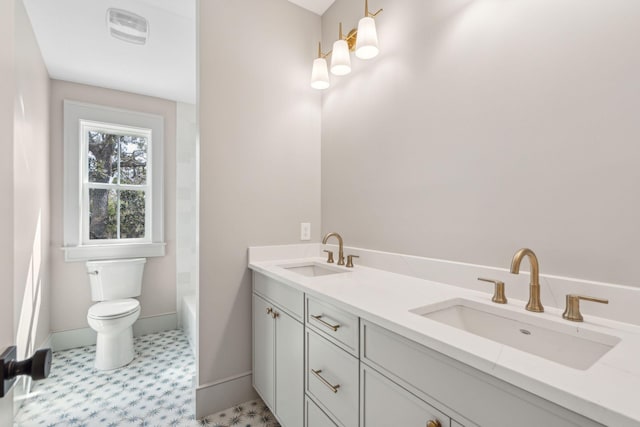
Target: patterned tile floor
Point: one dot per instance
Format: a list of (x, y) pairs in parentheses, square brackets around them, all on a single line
[(156, 389)]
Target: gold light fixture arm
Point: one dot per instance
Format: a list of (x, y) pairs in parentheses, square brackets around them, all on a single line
[(366, 10), (320, 54)]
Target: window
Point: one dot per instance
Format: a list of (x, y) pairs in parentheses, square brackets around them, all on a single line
[(115, 199), (113, 183)]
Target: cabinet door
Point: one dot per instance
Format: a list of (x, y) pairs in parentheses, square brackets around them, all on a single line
[(384, 404), (289, 370), (263, 351)]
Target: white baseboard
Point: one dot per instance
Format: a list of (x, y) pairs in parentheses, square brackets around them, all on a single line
[(151, 325), (223, 394), (74, 338)]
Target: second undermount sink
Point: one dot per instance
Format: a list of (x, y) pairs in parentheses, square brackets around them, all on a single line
[(568, 345), (312, 269)]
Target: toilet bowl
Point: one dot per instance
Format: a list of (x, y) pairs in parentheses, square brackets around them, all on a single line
[(113, 322), (114, 283)]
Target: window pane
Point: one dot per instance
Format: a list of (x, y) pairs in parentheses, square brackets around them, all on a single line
[(103, 221), (133, 160), (132, 214), (102, 156)]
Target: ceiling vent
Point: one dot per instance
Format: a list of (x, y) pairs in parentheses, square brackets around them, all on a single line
[(127, 26)]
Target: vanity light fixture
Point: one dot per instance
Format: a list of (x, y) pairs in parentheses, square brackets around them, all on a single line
[(320, 72), (364, 41), (367, 40), (340, 58)]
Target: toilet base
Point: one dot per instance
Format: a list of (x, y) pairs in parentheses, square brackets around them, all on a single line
[(114, 350)]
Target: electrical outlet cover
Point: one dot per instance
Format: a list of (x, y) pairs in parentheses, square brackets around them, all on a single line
[(305, 231)]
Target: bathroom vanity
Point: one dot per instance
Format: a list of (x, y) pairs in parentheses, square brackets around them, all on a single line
[(362, 347)]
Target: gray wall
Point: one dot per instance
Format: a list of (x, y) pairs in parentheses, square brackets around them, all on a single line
[(71, 296), (484, 127), (259, 159), (31, 190), (7, 91)]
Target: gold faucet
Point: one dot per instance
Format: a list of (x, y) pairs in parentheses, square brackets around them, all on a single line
[(534, 303), (340, 251)]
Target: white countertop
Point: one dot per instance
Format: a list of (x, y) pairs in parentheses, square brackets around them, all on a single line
[(607, 392)]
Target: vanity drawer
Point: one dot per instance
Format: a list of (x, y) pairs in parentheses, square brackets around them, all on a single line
[(283, 295), (332, 378), (384, 404), (467, 393), (315, 417), (335, 324)]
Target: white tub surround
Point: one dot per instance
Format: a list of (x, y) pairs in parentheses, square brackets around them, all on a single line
[(189, 319), (383, 288)]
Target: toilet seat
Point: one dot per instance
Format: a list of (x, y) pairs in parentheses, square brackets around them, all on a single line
[(114, 309)]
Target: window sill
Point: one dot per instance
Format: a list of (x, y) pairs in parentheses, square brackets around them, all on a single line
[(127, 250)]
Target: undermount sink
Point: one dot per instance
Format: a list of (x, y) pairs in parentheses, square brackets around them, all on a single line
[(568, 345), (312, 269)]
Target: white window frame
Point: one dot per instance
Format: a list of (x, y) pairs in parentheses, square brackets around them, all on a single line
[(87, 126), (79, 118)]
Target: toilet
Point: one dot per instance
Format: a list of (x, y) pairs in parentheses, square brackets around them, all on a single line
[(114, 284)]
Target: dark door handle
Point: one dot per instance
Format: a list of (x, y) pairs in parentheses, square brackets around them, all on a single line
[(37, 367)]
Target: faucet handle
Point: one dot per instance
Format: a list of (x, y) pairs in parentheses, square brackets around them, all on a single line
[(572, 310), (498, 293), (350, 260), (329, 257)]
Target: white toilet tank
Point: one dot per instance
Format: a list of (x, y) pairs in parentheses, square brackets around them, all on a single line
[(115, 279)]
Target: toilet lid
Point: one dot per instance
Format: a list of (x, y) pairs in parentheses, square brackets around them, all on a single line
[(113, 309)]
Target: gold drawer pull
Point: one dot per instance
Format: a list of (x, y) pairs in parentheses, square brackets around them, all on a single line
[(333, 388), (434, 423), (334, 328)]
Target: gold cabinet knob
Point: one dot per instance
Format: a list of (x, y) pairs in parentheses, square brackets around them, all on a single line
[(433, 423), (498, 294), (275, 314), (572, 310), (269, 310)]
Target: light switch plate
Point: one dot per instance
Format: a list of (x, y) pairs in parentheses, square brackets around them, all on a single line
[(305, 231)]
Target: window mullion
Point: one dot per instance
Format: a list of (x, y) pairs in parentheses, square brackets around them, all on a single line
[(118, 192), (118, 214)]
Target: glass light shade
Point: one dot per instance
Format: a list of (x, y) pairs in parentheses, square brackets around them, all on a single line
[(367, 41), (319, 74), (340, 58)]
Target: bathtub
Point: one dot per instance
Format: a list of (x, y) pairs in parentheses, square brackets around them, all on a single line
[(189, 319)]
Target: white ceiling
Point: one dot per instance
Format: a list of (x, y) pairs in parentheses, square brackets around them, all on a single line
[(317, 6), (77, 47)]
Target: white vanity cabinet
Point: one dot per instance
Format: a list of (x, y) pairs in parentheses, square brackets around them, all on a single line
[(316, 364), (475, 398), (278, 349)]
